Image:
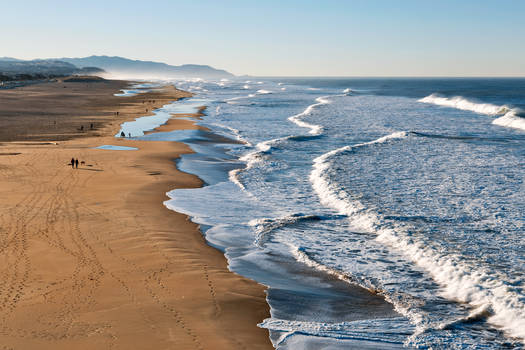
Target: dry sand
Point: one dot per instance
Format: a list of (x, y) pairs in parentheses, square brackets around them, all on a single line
[(89, 257)]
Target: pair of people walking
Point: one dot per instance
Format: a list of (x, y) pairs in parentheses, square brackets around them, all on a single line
[(74, 163)]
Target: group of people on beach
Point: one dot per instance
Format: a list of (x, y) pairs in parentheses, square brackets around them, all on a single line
[(74, 163), (91, 126)]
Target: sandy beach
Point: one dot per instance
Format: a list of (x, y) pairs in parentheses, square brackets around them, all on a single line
[(89, 257)]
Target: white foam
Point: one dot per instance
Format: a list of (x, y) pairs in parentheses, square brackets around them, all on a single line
[(255, 157), (263, 92), (510, 120), (251, 159), (364, 334), (236, 133), (246, 87), (347, 91), (297, 119), (459, 279), (233, 176), (299, 255), (265, 226), (234, 100), (464, 104)]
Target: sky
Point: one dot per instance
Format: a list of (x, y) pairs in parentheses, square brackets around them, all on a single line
[(279, 38)]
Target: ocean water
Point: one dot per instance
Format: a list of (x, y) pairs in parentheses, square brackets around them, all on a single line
[(381, 213)]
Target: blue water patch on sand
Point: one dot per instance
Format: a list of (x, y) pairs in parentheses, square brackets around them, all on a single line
[(184, 135), (117, 148), (128, 92), (137, 127), (136, 89)]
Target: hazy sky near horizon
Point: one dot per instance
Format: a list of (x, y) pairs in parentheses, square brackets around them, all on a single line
[(280, 38)]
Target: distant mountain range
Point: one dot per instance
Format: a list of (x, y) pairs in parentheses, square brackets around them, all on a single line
[(136, 68), (116, 66), (15, 69), (10, 59)]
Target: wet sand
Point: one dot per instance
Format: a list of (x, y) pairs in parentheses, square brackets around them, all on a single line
[(89, 257)]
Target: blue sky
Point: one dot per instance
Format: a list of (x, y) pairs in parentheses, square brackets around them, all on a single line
[(290, 38)]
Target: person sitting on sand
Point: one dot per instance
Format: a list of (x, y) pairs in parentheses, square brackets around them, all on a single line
[(122, 134)]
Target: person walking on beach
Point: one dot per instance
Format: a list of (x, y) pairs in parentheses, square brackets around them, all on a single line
[(76, 163), (73, 163)]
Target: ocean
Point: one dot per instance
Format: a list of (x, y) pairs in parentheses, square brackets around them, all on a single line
[(381, 213)]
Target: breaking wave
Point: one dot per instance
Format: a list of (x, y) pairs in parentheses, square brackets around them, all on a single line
[(486, 291), (297, 119), (509, 117)]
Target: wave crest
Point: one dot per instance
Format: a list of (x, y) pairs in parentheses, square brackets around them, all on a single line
[(510, 117), (314, 129), (462, 103)]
